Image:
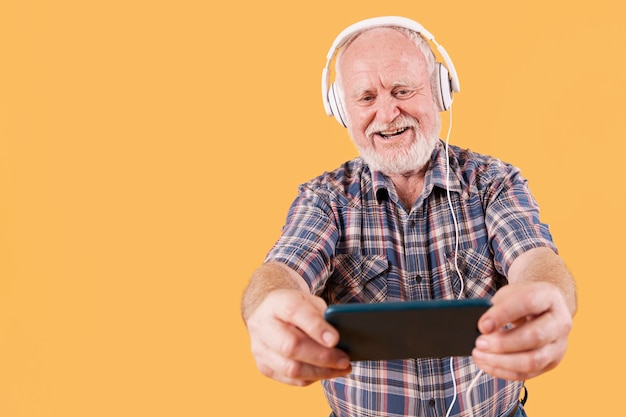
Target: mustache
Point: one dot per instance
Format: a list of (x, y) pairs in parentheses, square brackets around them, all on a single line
[(402, 121)]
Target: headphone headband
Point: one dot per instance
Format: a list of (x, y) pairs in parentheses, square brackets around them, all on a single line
[(397, 21)]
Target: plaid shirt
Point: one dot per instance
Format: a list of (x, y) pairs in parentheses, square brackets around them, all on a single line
[(350, 237)]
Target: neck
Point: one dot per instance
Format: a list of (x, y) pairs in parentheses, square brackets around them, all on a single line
[(409, 186)]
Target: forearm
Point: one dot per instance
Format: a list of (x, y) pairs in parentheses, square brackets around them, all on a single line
[(267, 278), (542, 264)]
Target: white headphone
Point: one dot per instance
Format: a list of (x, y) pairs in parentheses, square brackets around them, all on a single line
[(447, 80)]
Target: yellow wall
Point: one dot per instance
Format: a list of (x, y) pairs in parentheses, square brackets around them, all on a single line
[(149, 151)]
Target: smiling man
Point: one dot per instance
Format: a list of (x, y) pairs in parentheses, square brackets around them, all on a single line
[(392, 116), (410, 219)]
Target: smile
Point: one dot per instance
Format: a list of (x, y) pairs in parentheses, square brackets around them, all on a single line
[(393, 133)]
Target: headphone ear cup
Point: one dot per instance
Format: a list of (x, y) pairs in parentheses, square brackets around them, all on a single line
[(336, 105), (443, 95)]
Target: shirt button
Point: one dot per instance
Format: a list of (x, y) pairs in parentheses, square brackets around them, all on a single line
[(418, 279), (431, 403)]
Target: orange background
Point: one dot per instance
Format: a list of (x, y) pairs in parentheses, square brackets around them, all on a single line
[(149, 151)]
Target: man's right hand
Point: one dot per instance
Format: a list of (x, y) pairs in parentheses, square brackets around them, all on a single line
[(291, 342)]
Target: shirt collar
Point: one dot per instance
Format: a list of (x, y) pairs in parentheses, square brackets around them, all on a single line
[(437, 172), (435, 175)]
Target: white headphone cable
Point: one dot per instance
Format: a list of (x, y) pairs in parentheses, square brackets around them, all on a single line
[(470, 388), (468, 393), (456, 248), (454, 219)]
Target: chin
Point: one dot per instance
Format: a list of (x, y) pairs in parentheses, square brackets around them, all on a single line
[(414, 158)]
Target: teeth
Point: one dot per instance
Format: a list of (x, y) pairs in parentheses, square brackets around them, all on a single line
[(392, 132)]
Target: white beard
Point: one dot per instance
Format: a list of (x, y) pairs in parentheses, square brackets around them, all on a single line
[(404, 160)]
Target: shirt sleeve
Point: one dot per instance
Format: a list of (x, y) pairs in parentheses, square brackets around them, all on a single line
[(308, 240), (512, 216)]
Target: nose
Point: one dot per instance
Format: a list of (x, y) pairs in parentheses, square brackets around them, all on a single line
[(387, 109)]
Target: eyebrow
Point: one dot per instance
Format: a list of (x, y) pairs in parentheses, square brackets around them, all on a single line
[(404, 82), (360, 91)]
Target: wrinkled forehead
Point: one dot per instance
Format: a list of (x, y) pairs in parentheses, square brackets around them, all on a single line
[(382, 53), (379, 40), (384, 44)]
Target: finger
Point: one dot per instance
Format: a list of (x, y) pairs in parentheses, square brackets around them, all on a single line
[(512, 304), (294, 344), (273, 365), (522, 365), (527, 334), (306, 312)]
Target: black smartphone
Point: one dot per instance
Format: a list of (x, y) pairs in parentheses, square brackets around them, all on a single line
[(407, 329)]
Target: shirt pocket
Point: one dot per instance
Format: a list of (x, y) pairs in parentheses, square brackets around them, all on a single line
[(358, 279), (476, 266)]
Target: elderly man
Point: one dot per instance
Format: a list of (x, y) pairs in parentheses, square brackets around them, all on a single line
[(411, 218)]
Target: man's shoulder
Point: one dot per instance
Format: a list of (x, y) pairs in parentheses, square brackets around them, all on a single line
[(479, 166), (348, 181), (469, 157)]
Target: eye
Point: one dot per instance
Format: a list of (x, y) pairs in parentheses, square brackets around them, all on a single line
[(367, 98), (402, 93)]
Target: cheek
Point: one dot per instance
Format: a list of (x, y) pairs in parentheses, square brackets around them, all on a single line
[(427, 116), (358, 136), (434, 122), (360, 120)]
